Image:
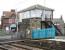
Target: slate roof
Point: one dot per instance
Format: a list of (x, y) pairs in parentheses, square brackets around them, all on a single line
[(36, 7)]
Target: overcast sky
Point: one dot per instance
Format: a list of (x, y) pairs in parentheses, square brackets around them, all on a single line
[(57, 5)]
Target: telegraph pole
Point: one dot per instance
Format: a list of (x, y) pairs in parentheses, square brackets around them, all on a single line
[(17, 21), (44, 2), (44, 9), (16, 24), (43, 15)]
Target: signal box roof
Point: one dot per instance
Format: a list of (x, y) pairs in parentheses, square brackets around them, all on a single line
[(36, 7)]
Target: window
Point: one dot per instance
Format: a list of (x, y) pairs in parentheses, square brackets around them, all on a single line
[(13, 16), (36, 13), (33, 13), (21, 16), (48, 14), (26, 14)]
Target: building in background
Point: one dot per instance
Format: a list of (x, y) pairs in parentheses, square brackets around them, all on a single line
[(8, 20), (64, 28), (60, 24)]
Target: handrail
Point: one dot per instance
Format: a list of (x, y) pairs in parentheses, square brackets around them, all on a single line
[(57, 28)]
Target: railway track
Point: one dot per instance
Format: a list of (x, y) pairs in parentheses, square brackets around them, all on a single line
[(44, 44), (19, 46), (15, 46), (32, 45), (12, 47), (3, 48), (24, 45)]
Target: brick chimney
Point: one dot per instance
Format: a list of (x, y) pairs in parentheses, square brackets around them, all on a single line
[(12, 10), (61, 17)]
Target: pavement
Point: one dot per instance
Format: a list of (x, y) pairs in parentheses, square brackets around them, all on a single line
[(60, 37)]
